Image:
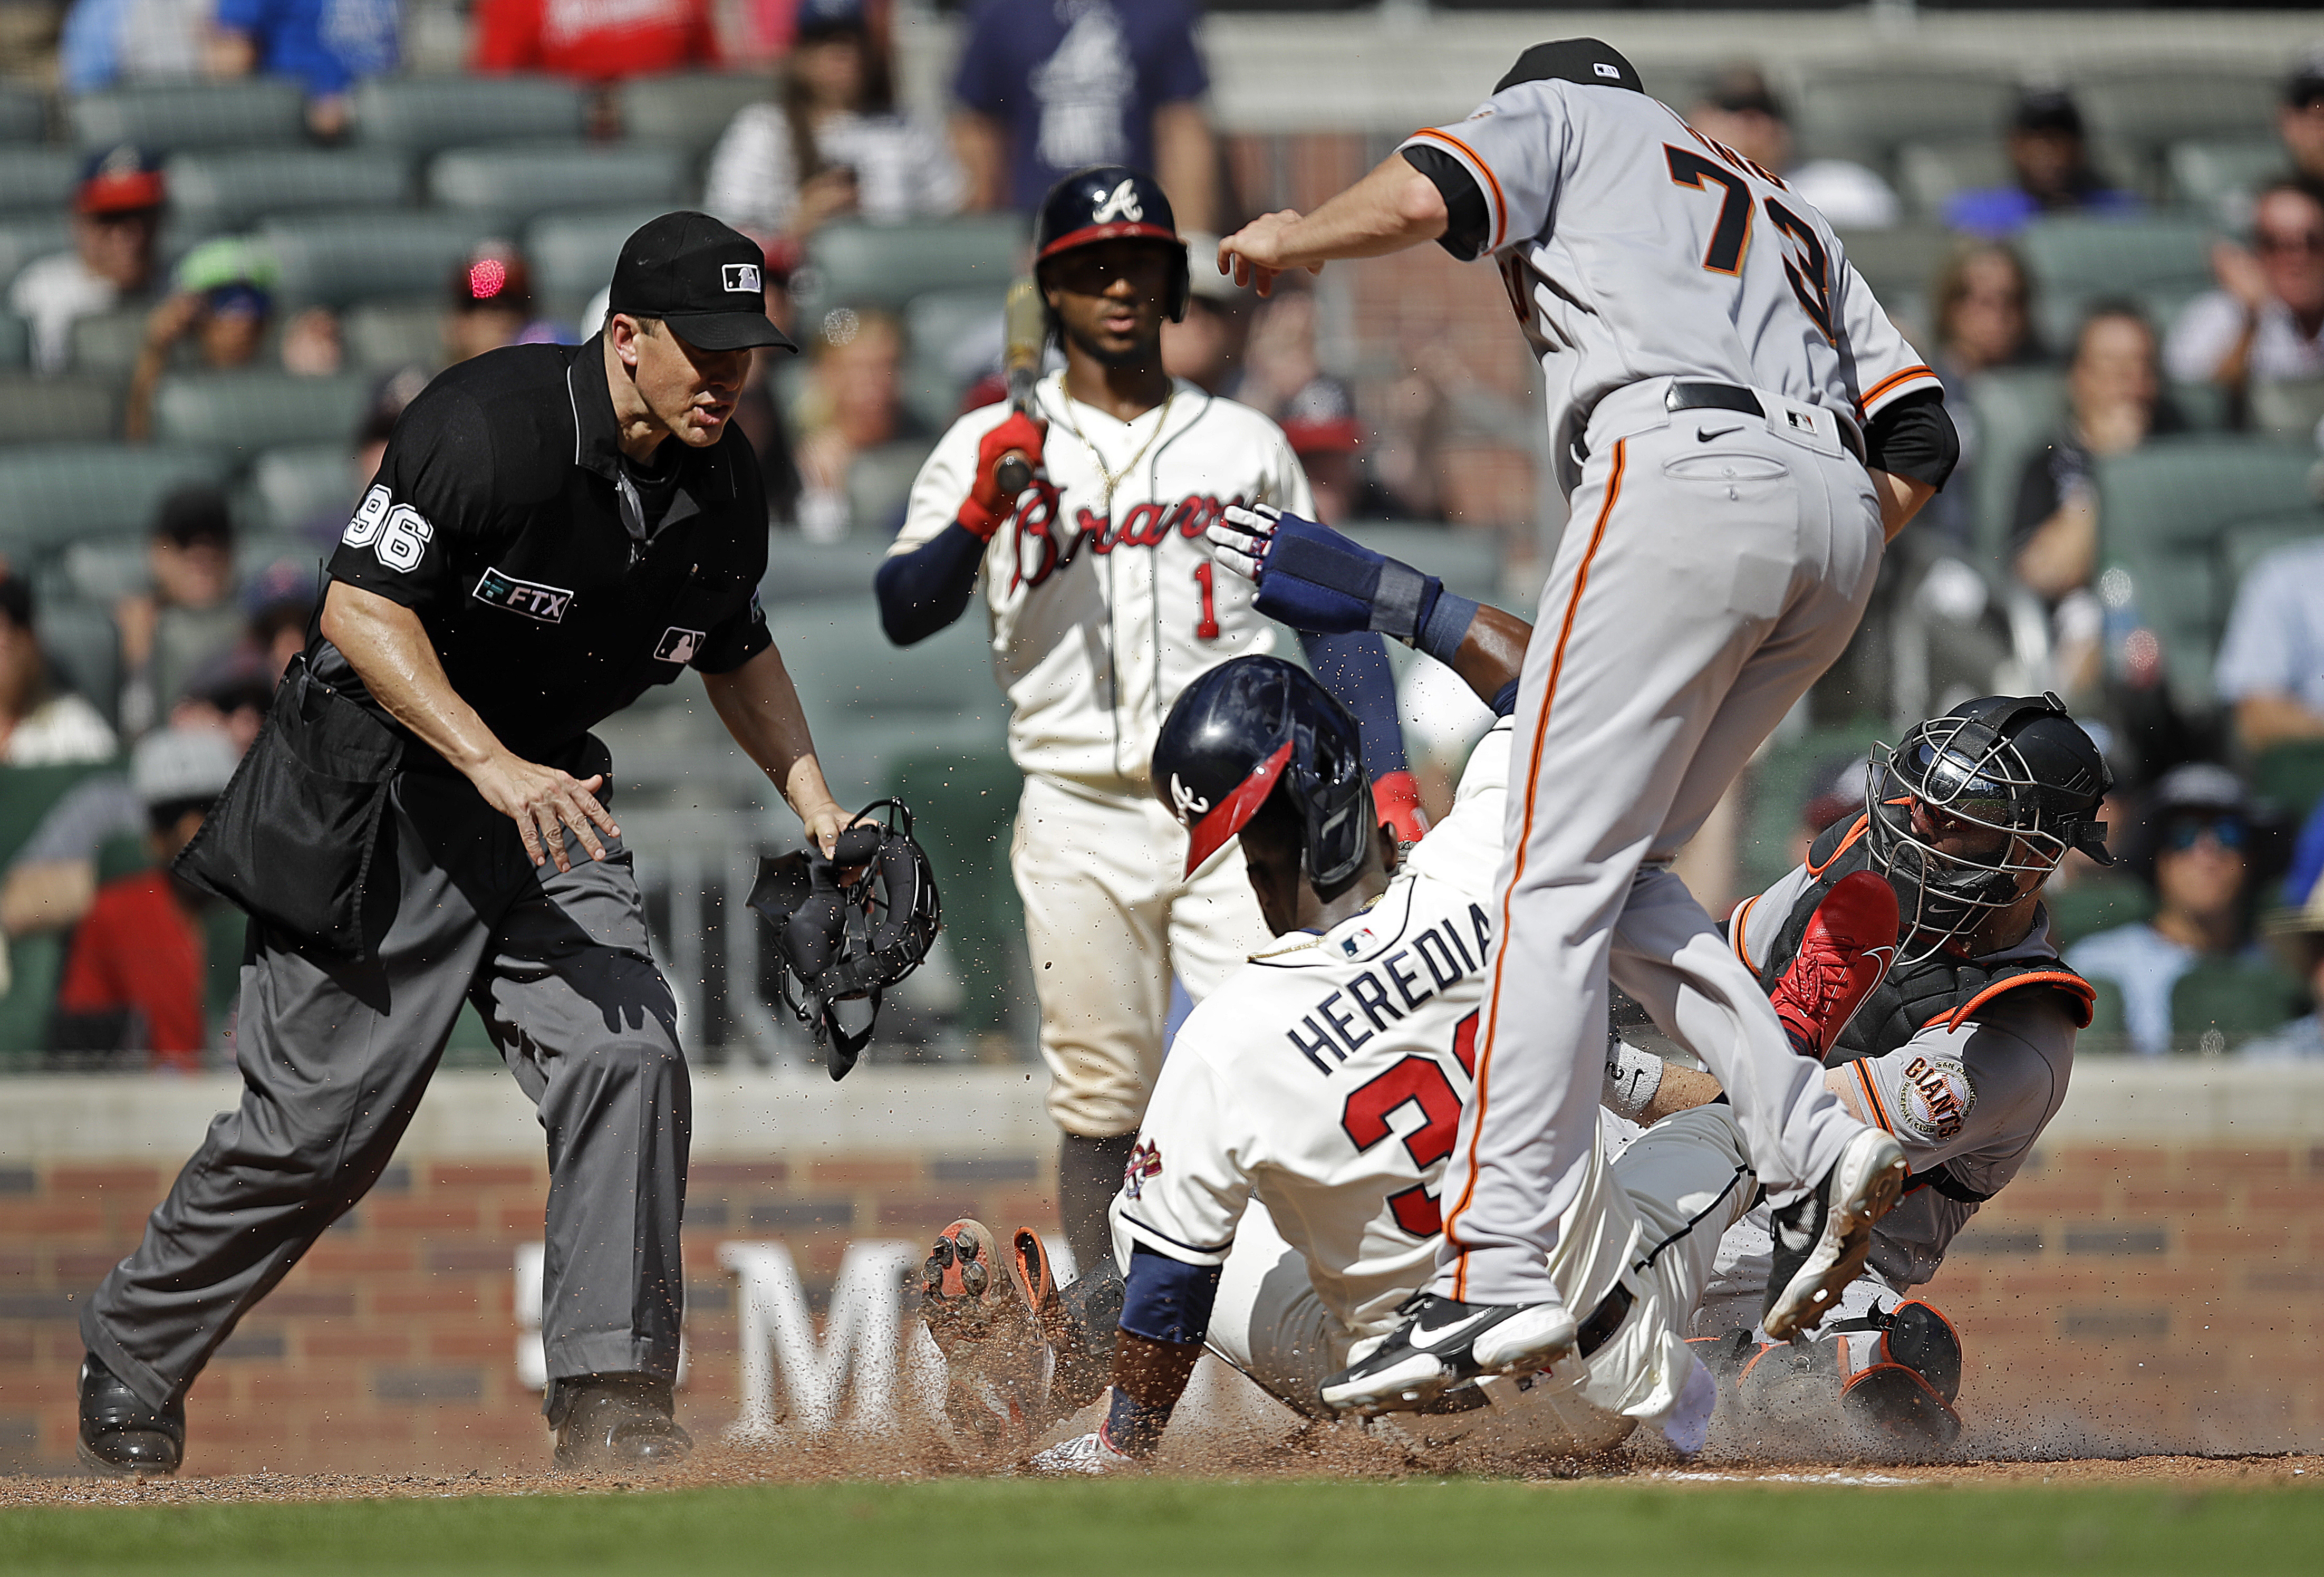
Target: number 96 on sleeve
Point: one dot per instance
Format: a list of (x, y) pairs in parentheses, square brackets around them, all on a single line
[(396, 533)]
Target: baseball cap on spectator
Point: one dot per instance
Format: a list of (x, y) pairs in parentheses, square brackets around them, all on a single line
[(121, 180), (233, 274), (1742, 90), (822, 19), (2198, 792), (2307, 84), (196, 513), (702, 278), (173, 767), (1321, 419), (495, 275), (15, 599), (2046, 109), (388, 396), (276, 590)]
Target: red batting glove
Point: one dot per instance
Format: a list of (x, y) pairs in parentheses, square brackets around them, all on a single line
[(1395, 799), (986, 507)]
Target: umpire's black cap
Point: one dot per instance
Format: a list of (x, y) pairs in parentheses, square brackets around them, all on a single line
[(1573, 59), (706, 280)]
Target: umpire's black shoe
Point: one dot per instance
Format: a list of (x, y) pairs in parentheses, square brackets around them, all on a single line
[(610, 1421), (119, 1432)]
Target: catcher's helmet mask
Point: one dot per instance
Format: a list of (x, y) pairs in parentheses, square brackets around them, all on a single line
[(843, 940), (1254, 727), (2011, 782), (1112, 202)]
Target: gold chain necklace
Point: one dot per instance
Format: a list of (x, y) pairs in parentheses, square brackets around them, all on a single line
[(1115, 478)]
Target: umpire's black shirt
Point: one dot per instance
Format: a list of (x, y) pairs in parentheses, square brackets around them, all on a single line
[(504, 516)]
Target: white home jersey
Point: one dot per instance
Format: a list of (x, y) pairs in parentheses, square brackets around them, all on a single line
[(1100, 617), (1327, 1077), (1966, 1100), (1687, 259)]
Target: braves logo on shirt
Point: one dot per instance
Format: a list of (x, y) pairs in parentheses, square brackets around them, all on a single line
[(1040, 553), (1145, 1162)]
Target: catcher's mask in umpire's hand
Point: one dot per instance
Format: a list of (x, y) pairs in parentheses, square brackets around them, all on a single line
[(848, 939)]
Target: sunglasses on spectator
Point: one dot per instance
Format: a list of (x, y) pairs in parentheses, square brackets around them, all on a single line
[(2227, 831), (2306, 240)]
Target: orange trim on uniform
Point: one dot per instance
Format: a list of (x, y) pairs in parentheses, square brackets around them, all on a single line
[(1500, 203), (1815, 872), (1872, 1097), (1517, 873), (1908, 375), (1735, 928), (2074, 986)]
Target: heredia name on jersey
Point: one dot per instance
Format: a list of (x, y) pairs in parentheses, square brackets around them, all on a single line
[(1397, 983), (1046, 544)]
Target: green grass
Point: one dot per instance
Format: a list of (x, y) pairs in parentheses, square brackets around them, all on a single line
[(1420, 1527)]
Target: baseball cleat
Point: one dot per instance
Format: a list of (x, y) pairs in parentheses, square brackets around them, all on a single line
[(120, 1435), (1844, 956), (979, 1310), (1822, 1239), (1445, 1345), (1091, 1454)]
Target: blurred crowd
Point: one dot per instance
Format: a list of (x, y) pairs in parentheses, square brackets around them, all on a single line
[(2211, 938)]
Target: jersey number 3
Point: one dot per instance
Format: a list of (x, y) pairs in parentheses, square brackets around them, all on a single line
[(1808, 270), (1415, 1081)]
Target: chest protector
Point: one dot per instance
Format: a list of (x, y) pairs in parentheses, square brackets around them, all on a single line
[(1943, 989)]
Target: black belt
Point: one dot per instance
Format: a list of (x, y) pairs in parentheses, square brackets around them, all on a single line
[(1727, 397)]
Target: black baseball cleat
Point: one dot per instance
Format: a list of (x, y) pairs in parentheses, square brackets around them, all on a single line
[(120, 1433), (1822, 1239), (1446, 1345), (615, 1421)]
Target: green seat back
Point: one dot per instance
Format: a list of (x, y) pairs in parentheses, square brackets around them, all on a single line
[(36, 965), (1778, 795), (34, 409), (2158, 261), (37, 180), (301, 482), (1866, 113), (224, 931), (254, 112), (2017, 411), (572, 252), (2147, 107), (878, 483), (221, 193), (688, 110), (16, 341), (385, 336), (2208, 171), (2242, 546), (84, 651), (2109, 1030), (2291, 777), (23, 116), (2234, 999), (2095, 904), (1899, 262), (61, 492), (26, 236), (424, 114), (258, 409), (964, 808), (798, 570), (106, 345), (332, 259), (514, 184), (1930, 173), (886, 265), (2293, 412), (871, 704)]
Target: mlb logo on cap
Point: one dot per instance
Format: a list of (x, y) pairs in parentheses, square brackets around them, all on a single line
[(664, 272), (1609, 73), (742, 278)]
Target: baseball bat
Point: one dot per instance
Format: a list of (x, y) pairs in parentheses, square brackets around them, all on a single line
[(1026, 333)]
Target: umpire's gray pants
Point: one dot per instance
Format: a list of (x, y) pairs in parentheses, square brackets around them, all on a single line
[(334, 1059)]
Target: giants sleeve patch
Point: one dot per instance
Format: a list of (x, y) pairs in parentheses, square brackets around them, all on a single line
[(1934, 1096)]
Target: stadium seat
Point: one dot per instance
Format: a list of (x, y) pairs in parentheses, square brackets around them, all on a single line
[(1468, 562), (37, 180), (879, 481), (2109, 1031), (105, 344), (2016, 410), (333, 260), (1928, 174), (295, 484), (23, 116), (380, 336), (1866, 114), (63, 493), (956, 333), (964, 809), (258, 409), (211, 193), (2292, 411), (1899, 262), (16, 341), (255, 112), (2219, 172), (34, 409), (687, 110), (2291, 777), (84, 651), (2096, 903), (98, 570), (2149, 107), (2242, 546), (886, 265), (875, 702), (26, 236), (514, 184), (2159, 260), (2162, 510), (798, 570), (1778, 795), (572, 252), (2204, 407), (424, 114), (2222, 1002)]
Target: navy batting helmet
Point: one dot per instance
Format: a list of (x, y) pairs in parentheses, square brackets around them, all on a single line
[(1245, 727), (1112, 202)]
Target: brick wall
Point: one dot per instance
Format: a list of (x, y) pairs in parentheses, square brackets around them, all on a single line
[(2119, 1294)]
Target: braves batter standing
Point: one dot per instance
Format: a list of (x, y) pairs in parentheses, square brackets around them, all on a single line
[(1104, 604), (425, 821), (1737, 428)]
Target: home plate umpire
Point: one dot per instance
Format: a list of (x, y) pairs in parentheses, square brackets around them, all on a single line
[(427, 820)]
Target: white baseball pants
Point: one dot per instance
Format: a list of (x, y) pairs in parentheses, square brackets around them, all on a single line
[(1109, 919), (1715, 563)]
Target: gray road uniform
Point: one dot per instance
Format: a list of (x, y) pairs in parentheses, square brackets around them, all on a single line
[(556, 582), (1717, 376), (1966, 1095)]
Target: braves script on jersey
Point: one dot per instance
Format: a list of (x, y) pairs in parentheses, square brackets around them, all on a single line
[(1100, 617), (1613, 300)]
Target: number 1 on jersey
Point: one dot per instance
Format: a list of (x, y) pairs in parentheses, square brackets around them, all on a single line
[(1206, 625)]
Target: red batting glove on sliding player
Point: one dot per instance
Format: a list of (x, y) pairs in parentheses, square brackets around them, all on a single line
[(1850, 942), (987, 507), (1395, 800)]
